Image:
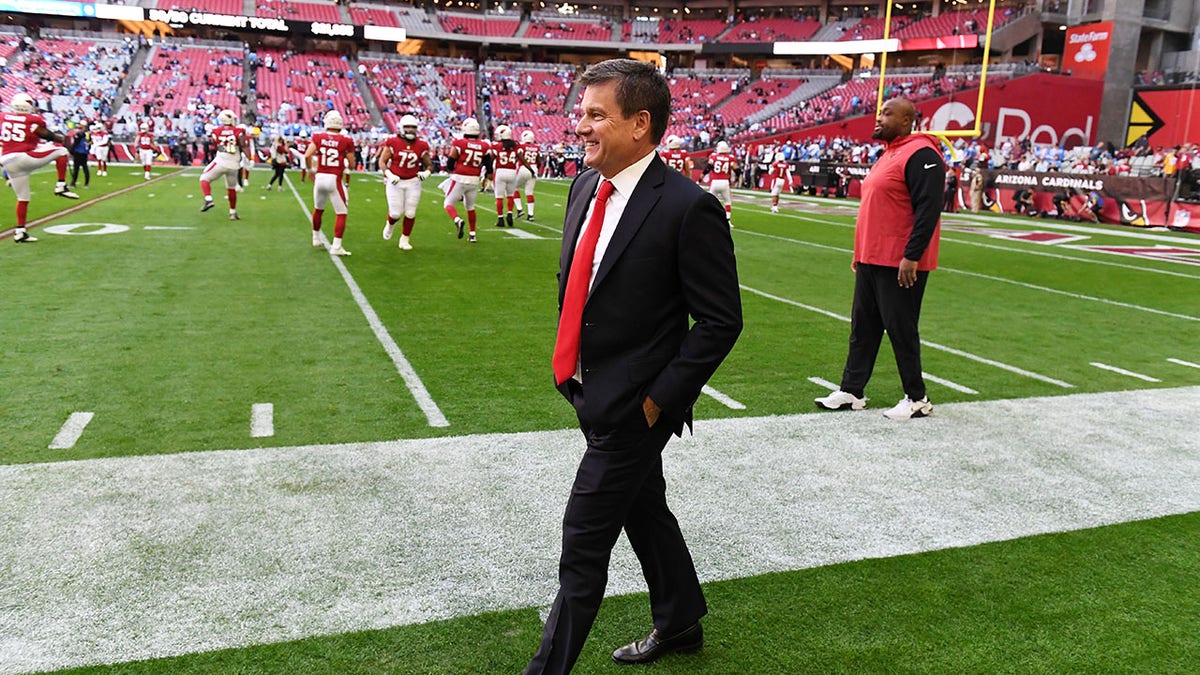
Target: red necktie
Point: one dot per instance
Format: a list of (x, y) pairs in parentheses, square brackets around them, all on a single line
[(566, 345)]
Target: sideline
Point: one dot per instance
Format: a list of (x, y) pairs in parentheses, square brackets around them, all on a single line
[(413, 381), (119, 559)]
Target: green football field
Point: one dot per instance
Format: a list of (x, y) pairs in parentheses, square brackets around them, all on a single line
[(224, 450)]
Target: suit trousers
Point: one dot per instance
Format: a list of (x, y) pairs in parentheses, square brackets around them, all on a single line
[(880, 304), (619, 485)]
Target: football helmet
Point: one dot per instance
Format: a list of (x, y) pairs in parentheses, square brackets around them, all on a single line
[(333, 120), (22, 103), (504, 133), (304, 133), (227, 118), (144, 126), (779, 157), (723, 147), (408, 127), (674, 142), (96, 126), (527, 136), (470, 127)]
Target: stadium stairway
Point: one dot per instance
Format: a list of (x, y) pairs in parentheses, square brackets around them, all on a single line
[(343, 9), (1013, 33), (136, 65), (365, 90), (815, 86), (524, 26), (249, 7)]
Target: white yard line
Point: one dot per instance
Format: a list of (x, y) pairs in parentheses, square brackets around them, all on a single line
[(947, 383), (927, 343), (262, 420), (1181, 362), (722, 398), (71, 430), (118, 559), (824, 383), (1122, 371), (413, 381)]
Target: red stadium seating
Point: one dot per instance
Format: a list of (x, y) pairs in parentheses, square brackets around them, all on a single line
[(953, 23), (178, 77), (871, 28), (310, 84), (469, 24), (530, 98), (373, 16), (566, 29), (298, 11), (429, 90), (690, 31), (772, 30)]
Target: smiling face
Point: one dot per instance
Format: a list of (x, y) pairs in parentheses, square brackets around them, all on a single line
[(894, 120), (611, 141)]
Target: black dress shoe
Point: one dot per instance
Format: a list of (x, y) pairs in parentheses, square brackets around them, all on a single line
[(654, 646)]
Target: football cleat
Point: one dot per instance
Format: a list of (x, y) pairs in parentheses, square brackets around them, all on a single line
[(471, 239), (208, 204), (529, 217), (840, 400), (459, 224), (388, 230), (404, 244), (774, 209), (499, 221), (317, 243), (908, 408), (62, 191), (338, 250), (509, 219), (24, 238), (234, 216)]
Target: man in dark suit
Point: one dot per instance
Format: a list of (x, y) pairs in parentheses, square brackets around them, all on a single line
[(660, 252)]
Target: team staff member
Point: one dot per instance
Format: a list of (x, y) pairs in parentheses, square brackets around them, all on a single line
[(895, 247), (80, 147), (639, 240)]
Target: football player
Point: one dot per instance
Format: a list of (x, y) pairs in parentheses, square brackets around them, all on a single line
[(406, 163), (21, 152), (676, 157), (466, 164), (328, 157), (101, 144), (299, 147), (527, 175), (507, 158), (232, 147), (720, 165), (780, 179), (145, 148)]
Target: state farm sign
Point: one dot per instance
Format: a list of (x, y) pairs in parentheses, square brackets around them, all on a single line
[(1086, 52)]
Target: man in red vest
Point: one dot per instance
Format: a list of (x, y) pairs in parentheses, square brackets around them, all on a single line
[(895, 247)]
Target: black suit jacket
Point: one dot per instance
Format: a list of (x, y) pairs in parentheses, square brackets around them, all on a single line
[(670, 258)]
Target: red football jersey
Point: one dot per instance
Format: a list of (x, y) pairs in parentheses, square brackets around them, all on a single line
[(301, 145), (505, 158), (676, 159), (145, 140), (719, 165), (406, 156), (531, 153), (228, 139), (332, 150), (470, 156), (18, 132), (781, 169)]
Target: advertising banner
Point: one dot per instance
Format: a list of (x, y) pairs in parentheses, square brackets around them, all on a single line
[(1086, 50), (1012, 110), (1139, 202)]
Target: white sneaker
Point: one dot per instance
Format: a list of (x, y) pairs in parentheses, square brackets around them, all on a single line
[(317, 241), (404, 244), (338, 250), (840, 400), (774, 209), (388, 229), (908, 408)]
